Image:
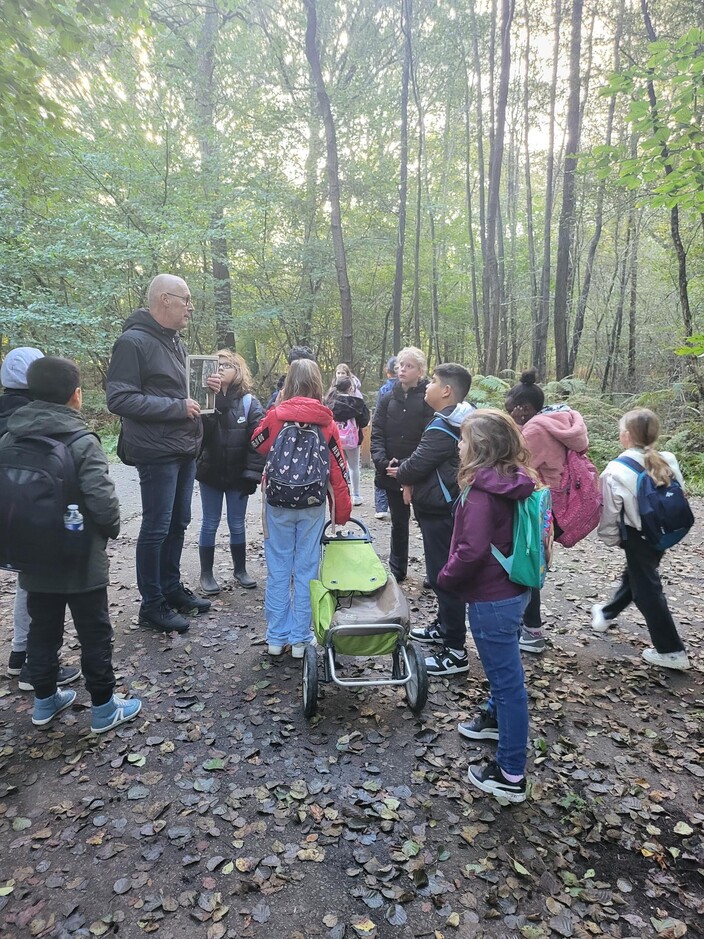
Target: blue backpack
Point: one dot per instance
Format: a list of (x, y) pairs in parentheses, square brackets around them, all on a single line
[(665, 514)]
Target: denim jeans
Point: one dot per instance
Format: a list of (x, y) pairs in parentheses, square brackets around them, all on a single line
[(292, 552), (21, 620), (352, 457), (381, 500), (167, 489), (46, 635), (496, 627), (211, 500)]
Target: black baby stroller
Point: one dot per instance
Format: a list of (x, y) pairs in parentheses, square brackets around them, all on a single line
[(360, 610)]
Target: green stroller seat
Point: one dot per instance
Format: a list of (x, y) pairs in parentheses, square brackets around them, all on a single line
[(359, 610)]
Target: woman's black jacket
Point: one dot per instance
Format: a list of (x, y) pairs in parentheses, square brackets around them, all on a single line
[(399, 421), (227, 460)]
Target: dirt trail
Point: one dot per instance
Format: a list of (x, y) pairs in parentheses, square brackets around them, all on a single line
[(222, 812)]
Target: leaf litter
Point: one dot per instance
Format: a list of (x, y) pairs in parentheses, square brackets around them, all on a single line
[(224, 813)]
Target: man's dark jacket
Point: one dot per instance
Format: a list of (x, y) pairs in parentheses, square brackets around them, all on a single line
[(10, 401), (228, 460), (147, 386), (399, 421)]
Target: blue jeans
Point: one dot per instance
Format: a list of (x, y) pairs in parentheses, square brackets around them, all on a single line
[(496, 627), (381, 500), (211, 500), (167, 489), (292, 552)]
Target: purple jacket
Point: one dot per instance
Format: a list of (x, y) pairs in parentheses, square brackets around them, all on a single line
[(485, 518)]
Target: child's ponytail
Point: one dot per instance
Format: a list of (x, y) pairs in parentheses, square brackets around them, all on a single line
[(643, 426)]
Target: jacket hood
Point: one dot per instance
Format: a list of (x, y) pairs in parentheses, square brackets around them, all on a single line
[(40, 417), (456, 416), (565, 425), (517, 486), (307, 410), (143, 319)]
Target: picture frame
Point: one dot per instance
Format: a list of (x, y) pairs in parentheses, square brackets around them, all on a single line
[(198, 369)]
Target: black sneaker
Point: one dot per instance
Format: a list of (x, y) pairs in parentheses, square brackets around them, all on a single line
[(482, 727), (447, 662), (163, 619), (184, 600), (67, 674), (429, 635), (490, 779), (14, 666)]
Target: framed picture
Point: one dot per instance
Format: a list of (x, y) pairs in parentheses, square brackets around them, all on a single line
[(200, 368)]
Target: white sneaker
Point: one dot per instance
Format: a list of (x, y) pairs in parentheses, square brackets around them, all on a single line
[(357, 500), (678, 661), (274, 650), (599, 622), (382, 515), (298, 650)]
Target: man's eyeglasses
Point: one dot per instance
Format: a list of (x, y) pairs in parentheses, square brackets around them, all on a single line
[(187, 300)]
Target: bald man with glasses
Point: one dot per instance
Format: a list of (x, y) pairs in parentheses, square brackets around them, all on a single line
[(161, 435)]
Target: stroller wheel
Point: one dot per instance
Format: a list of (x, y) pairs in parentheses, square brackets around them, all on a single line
[(416, 687), (310, 681)]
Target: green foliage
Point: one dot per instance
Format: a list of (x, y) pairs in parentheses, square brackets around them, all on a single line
[(488, 391), (687, 443), (670, 161)]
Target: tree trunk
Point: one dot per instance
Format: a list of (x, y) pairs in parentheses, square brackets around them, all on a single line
[(599, 214), (532, 261), (406, 29), (332, 166), (481, 170), (210, 162), (567, 215), (540, 337), (492, 282)]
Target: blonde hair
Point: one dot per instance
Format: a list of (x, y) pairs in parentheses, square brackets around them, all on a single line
[(643, 427), (303, 380), (343, 366), (416, 355), (493, 440), (243, 377)]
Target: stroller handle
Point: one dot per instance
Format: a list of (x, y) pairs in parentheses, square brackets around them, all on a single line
[(346, 536)]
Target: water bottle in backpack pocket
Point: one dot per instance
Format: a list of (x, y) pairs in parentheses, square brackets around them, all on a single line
[(665, 513), (41, 526)]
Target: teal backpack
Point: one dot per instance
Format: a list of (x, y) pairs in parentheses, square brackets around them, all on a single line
[(532, 541)]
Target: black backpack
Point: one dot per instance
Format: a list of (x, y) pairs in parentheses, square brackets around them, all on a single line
[(297, 469), (37, 482)]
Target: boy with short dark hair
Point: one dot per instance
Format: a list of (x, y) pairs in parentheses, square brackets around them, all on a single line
[(54, 383), (430, 475)]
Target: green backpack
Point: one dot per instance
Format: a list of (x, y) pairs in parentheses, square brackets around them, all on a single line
[(532, 541)]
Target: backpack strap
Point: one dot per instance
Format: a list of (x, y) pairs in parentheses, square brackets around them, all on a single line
[(247, 403), (439, 423), (631, 464)]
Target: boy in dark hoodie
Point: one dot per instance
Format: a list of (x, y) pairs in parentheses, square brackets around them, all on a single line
[(13, 378), (430, 475), (54, 384)]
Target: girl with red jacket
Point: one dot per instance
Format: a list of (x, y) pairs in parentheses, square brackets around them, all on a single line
[(292, 539)]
